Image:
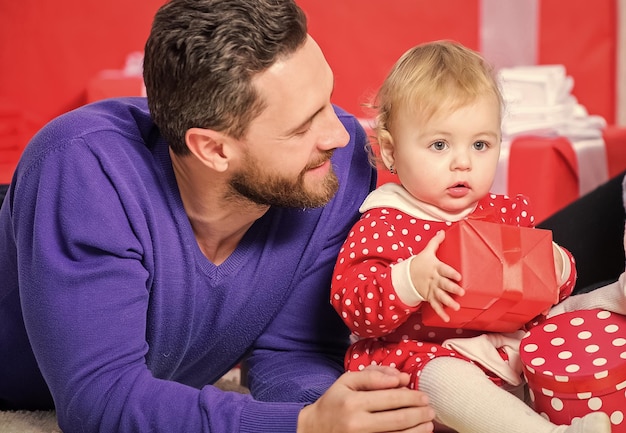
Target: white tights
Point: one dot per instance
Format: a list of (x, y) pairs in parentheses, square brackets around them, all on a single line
[(465, 400)]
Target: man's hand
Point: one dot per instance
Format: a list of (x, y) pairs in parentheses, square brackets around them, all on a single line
[(374, 400), (435, 280)]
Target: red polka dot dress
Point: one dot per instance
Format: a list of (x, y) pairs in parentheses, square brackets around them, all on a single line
[(373, 294)]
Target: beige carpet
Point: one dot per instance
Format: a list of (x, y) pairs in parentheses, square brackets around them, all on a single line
[(46, 422), (28, 422)]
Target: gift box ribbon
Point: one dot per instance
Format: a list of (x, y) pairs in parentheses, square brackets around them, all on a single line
[(510, 252)]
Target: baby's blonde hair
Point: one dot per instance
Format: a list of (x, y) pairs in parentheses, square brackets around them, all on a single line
[(431, 77)]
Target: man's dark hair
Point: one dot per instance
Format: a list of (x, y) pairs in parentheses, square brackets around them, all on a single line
[(202, 55)]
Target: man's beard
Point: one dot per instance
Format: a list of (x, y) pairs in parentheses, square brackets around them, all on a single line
[(274, 190)]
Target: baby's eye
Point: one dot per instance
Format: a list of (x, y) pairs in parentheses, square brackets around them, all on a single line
[(439, 145), (480, 145)]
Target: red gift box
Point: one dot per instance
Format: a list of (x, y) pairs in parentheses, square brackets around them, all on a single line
[(507, 273), (575, 363)]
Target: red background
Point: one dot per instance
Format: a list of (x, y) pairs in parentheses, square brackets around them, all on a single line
[(49, 51)]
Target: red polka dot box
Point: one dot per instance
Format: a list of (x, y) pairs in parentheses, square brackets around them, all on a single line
[(575, 363)]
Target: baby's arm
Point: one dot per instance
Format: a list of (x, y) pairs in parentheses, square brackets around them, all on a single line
[(433, 280), (565, 270), (363, 290)]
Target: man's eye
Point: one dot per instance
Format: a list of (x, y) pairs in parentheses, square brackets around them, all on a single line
[(303, 131), (305, 128)]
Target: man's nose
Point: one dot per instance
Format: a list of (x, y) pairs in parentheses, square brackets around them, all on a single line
[(333, 133)]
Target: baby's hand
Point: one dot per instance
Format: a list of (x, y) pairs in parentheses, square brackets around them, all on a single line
[(434, 280)]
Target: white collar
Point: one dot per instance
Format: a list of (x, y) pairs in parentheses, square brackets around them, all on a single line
[(395, 196)]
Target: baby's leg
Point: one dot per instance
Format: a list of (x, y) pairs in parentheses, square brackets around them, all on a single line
[(465, 400), (611, 297)]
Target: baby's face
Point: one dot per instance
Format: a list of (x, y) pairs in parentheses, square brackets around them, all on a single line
[(448, 160)]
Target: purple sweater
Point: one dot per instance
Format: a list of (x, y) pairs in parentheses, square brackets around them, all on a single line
[(105, 294)]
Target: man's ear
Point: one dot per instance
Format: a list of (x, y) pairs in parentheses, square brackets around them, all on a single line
[(209, 146)]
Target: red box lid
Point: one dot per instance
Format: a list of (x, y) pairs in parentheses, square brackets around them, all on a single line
[(578, 352)]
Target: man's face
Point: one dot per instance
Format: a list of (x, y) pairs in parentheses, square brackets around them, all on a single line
[(274, 189), (286, 152)]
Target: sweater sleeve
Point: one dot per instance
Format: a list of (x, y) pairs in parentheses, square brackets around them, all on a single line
[(84, 289)]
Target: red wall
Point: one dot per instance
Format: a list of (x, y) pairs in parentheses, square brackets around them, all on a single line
[(582, 35), (362, 39), (49, 50)]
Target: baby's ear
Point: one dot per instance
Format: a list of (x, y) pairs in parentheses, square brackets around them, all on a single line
[(386, 147)]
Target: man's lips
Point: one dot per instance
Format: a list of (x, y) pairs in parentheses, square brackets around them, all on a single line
[(318, 165), (324, 160)]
